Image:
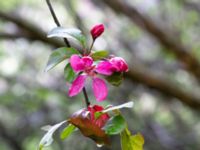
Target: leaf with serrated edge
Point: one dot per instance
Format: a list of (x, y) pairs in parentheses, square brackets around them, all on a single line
[(47, 139), (131, 142), (67, 131), (115, 125), (138, 141), (58, 56), (72, 33)]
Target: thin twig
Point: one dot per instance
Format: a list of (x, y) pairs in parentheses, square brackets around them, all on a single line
[(91, 45), (86, 97), (68, 45), (56, 20)]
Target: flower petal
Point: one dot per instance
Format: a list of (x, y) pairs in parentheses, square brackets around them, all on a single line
[(77, 85), (100, 89), (87, 61), (105, 68), (119, 64), (76, 63)]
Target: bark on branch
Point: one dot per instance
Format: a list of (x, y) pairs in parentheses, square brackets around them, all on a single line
[(34, 32), (167, 40), (138, 74), (12, 141), (146, 77)]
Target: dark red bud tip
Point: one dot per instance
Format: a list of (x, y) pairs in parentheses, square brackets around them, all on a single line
[(97, 30)]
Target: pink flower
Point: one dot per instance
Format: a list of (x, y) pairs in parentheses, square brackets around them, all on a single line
[(97, 30), (115, 64), (119, 64), (84, 66)]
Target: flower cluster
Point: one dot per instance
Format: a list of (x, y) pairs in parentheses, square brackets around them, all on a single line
[(93, 121), (86, 67)]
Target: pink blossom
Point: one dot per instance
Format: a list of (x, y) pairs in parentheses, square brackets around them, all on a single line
[(105, 68), (119, 64), (84, 66), (115, 64)]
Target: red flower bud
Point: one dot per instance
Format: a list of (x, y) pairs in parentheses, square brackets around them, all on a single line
[(97, 30), (100, 121), (91, 126)]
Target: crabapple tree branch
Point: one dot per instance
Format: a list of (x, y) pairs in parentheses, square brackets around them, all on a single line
[(67, 44), (141, 75), (169, 41)]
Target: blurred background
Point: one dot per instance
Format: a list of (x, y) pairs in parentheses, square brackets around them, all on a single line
[(158, 38)]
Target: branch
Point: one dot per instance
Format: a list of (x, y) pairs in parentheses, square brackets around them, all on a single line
[(56, 20), (139, 74), (167, 40), (145, 76), (68, 45), (4, 35), (10, 139)]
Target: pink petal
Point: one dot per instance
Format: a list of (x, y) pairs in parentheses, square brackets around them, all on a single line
[(119, 64), (77, 85), (87, 61), (100, 89), (105, 68), (76, 63)]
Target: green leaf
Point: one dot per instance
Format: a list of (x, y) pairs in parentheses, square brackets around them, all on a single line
[(72, 33), (137, 141), (99, 54), (115, 125), (131, 142), (69, 73), (115, 79), (58, 56), (47, 139), (67, 131)]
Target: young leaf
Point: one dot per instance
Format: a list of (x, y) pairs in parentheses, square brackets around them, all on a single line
[(47, 138), (67, 131), (88, 128), (58, 56), (99, 54), (69, 73), (125, 105), (115, 125), (72, 33), (131, 142), (137, 141), (115, 79)]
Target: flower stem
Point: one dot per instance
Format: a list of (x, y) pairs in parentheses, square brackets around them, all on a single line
[(91, 45), (86, 97), (67, 44)]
